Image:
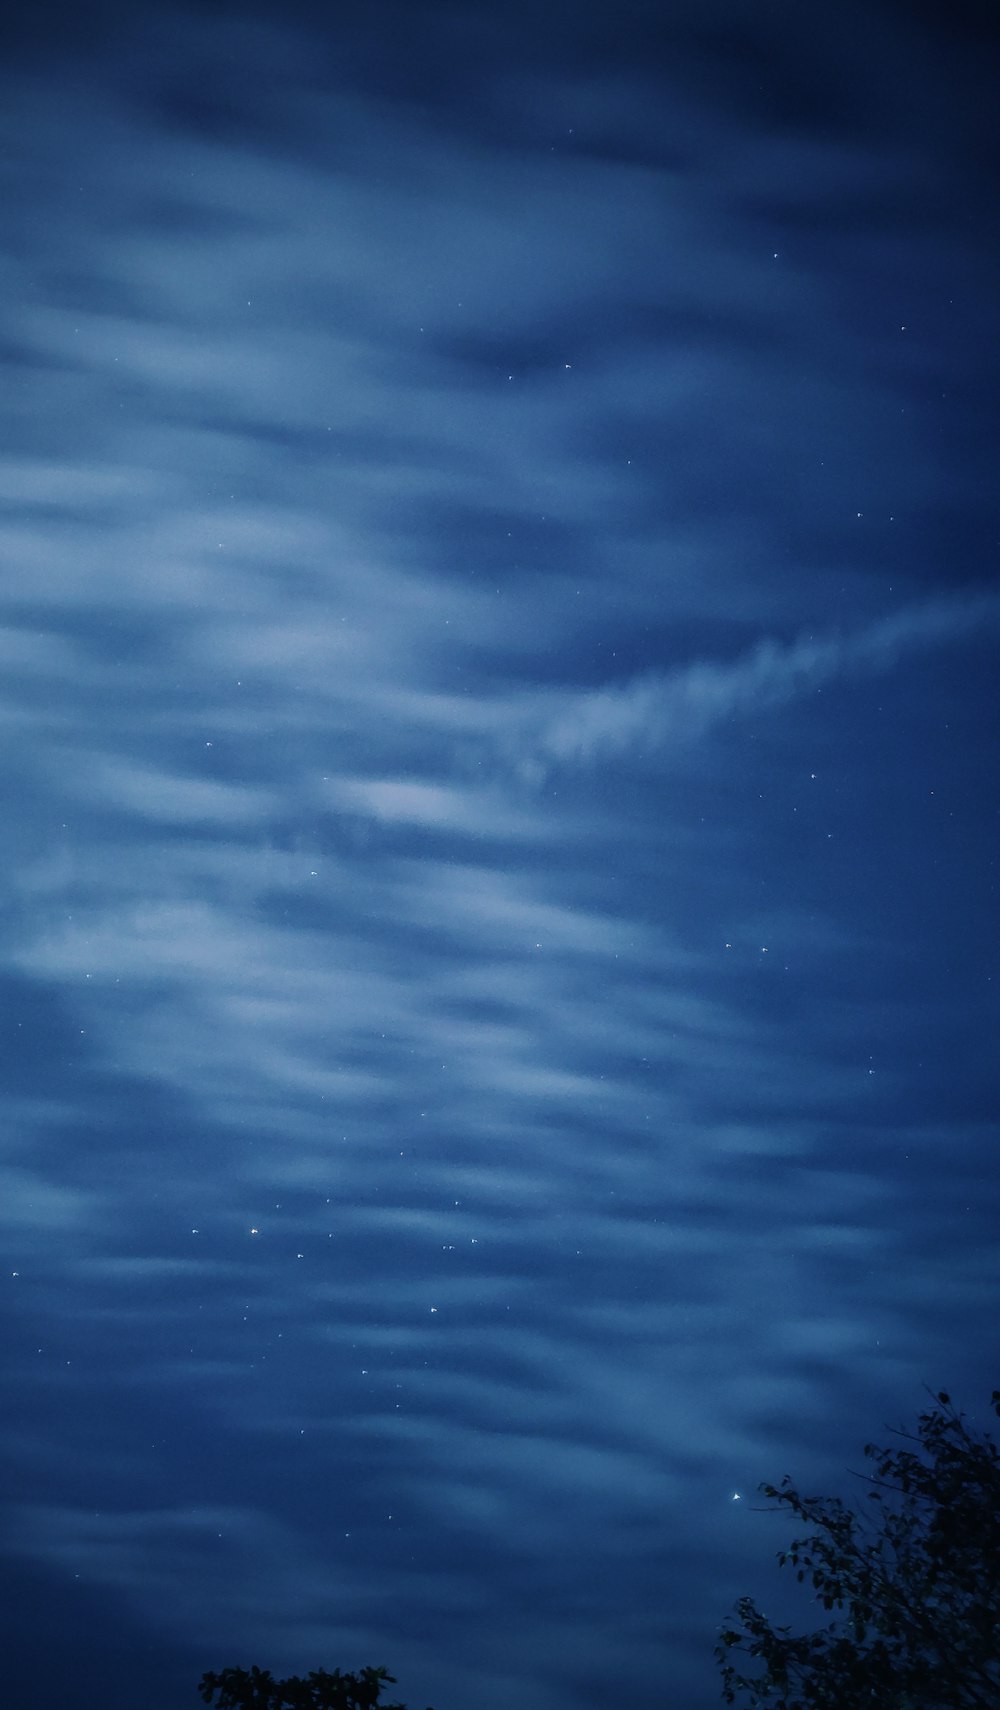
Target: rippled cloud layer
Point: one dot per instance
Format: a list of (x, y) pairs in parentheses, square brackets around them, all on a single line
[(496, 659)]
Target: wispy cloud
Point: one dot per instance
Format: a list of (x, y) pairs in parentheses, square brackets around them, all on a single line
[(656, 709)]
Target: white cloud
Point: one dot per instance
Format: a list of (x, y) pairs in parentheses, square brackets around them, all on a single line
[(29, 1202), (654, 710), (170, 799), (436, 807)]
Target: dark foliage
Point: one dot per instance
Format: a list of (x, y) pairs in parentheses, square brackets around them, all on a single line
[(914, 1580), (257, 1689)]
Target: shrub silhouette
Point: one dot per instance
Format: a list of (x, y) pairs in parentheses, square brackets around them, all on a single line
[(257, 1689)]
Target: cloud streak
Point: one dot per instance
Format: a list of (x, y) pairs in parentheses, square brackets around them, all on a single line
[(657, 710)]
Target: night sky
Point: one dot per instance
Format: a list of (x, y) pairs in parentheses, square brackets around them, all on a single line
[(498, 682)]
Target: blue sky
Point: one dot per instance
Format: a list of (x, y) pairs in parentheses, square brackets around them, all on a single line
[(498, 639)]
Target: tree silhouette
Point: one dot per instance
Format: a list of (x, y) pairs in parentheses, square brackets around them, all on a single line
[(914, 1579), (257, 1689)]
